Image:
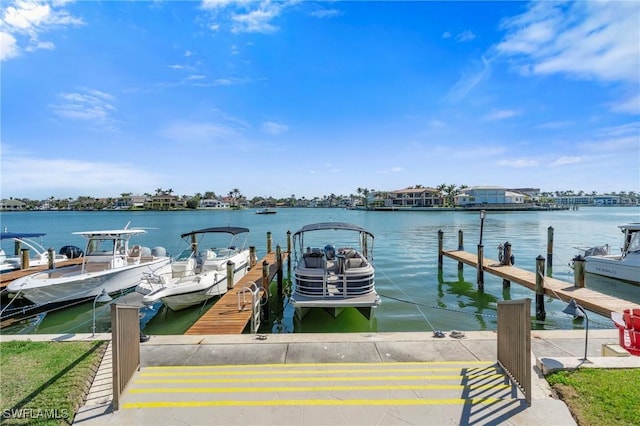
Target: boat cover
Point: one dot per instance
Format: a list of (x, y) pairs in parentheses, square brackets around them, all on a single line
[(19, 235), (233, 230), (332, 225)]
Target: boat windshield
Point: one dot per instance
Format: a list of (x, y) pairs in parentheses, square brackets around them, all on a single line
[(186, 254), (634, 244), (100, 247)]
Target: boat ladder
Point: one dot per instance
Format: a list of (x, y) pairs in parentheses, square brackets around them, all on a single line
[(256, 296)]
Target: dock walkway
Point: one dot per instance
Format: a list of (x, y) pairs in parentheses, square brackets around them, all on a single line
[(588, 299), (225, 317)]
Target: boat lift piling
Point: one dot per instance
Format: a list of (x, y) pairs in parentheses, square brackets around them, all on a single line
[(265, 285), (460, 247), (578, 271), (52, 255), (540, 312), (279, 271), (24, 258), (550, 251), (253, 259)]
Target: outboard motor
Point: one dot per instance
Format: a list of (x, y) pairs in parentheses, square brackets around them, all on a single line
[(72, 252), (330, 251), (159, 252)]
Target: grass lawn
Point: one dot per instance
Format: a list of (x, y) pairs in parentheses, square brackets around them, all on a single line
[(44, 383), (598, 396)]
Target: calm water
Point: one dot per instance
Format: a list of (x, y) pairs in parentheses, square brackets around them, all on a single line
[(414, 296)]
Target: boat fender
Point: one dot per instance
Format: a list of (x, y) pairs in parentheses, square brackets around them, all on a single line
[(513, 260)]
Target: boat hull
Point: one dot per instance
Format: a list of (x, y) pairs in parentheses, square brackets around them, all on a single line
[(620, 268), (71, 283), (181, 293)]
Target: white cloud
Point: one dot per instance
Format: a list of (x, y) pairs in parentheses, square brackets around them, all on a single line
[(465, 36), (32, 175), (326, 13), (630, 105), (518, 163), (8, 46), (201, 133), (394, 169), (88, 105), (243, 16), (500, 115), (587, 40), (563, 161), (273, 128), (24, 23), (468, 81)]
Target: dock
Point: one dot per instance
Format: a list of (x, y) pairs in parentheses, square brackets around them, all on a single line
[(226, 316), (7, 277), (591, 300)]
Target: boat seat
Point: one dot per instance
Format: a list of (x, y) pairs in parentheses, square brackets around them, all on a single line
[(134, 255), (354, 262), (313, 261)]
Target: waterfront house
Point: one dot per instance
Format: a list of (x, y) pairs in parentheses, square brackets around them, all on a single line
[(12, 205), (213, 204), (479, 195), (414, 197)]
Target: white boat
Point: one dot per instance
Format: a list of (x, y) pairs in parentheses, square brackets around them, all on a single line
[(38, 255), (266, 210), (109, 263), (198, 274), (624, 266), (330, 278)]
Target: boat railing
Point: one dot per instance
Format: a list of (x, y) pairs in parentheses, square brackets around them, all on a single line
[(327, 284)]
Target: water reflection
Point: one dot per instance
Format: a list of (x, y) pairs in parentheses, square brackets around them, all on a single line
[(469, 299)]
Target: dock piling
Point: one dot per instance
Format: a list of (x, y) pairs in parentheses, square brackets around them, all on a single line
[(540, 312), (480, 275), (24, 258), (231, 270), (549, 251), (279, 271), (265, 286), (52, 255), (269, 241), (252, 257), (460, 247), (578, 271), (440, 245)]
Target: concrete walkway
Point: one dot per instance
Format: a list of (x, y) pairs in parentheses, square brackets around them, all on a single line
[(340, 379)]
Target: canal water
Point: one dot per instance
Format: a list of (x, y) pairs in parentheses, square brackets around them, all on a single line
[(415, 296)]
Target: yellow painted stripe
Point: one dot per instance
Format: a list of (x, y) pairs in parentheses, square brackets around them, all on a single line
[(318, 388), (318, 379), (312, 402), (463, 372), (321, 364)]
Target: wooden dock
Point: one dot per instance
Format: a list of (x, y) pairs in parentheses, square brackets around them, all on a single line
[(224, 317), (588, 299), (7, 277)]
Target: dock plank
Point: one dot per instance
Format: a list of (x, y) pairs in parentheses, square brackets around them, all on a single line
[(589, 299), (224, 317)]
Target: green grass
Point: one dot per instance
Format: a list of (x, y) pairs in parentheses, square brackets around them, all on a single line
[(44, 383), (600, 396)]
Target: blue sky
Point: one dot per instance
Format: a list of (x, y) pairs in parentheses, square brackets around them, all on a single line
[(311, 98)]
